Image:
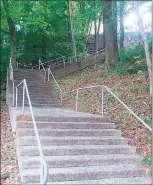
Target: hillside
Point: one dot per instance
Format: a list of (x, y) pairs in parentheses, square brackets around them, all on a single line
[(131, 89)]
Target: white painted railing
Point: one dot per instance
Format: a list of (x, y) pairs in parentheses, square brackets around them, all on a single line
[(44, 166), (50, 73), (63, 60), (41, 64), (104, 88)]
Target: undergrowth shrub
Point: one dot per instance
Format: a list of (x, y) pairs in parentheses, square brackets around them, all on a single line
[(131, 61)]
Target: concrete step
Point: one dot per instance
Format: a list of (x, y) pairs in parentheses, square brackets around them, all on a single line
[(66, 125), (35, 96), (27, 117), (84, 173), (78, 161), (61, 141), (40, 105), (51, 95), (36, 85), (37, 77), (39, 101), (113, 181), (27, 151), (36, 88), (70, 132)]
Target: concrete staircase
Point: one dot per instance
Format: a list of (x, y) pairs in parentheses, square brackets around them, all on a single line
[(80, 148), (42, 94)]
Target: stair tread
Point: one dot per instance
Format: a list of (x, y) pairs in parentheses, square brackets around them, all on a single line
[(74, 147), (74, 170), (114, 181), (83, 157)]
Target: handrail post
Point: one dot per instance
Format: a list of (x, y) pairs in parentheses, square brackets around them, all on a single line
[(64, 66), (102, 101), (85, 59), (48, 73), (23, 97), (16, 99), (10, 64), (39, 64), (95, 57), (41, 170), (76, 105)]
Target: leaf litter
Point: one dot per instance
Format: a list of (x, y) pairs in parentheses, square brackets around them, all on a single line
[(9, 165), (131, 89)]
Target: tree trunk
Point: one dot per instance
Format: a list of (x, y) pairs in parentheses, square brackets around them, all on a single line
[(146, 45), (72, 31), (121, 25), (13, 40), (98, 30), (114, 20), (44, 47), (110, 37), (95, 27), (12, 33)]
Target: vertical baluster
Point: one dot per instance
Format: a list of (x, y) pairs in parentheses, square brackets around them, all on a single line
[(77, 95), (23, 101), (64, 66), (102, 101), (16, 99)]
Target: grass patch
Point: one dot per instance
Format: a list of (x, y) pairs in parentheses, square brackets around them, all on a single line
[(146, 160)]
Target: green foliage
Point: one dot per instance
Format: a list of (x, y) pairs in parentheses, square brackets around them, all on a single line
[(132, 102), (146, 88), (148, 139), (147, 120), (146, 74), (146, 160), (131, 61), (43, 29), (135, 89)]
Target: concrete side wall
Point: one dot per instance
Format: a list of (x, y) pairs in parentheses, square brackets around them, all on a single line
[(60, 71)]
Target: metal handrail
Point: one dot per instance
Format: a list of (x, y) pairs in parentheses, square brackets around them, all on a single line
[(68, 58), (44, 166), (102, 102), (61, 93), (41, 64)]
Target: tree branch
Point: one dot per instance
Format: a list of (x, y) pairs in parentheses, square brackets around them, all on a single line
[(5, 31)]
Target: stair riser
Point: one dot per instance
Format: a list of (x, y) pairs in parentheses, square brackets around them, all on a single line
[(60, 152), (80, 163), (66, 125), (33, 95), (85, 176), (55, 133), (35, 89), (39, 101), (36, 98), (61, 119), (59, 142), (41, 105)]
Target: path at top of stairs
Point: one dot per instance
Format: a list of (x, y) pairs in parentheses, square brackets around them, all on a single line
[(79, 148)]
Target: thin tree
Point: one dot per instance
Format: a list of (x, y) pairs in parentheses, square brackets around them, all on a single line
[(110, 30), (72, 30), (121, 11), (145, 42), (12, 32)]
